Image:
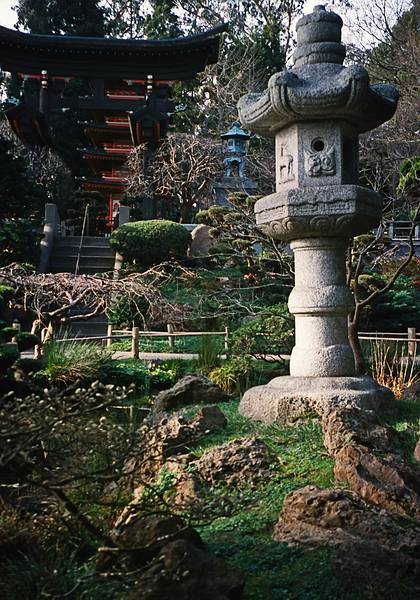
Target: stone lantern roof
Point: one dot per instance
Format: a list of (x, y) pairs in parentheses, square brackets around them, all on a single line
[(319, 87), (236, 132)]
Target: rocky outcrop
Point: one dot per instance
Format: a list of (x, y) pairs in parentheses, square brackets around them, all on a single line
[(168, 438), (364, 539), (183, 571), (192, 389), (368, 457), (209, 419), (241, 461), (386, 481), (169, 559), (412, 392)]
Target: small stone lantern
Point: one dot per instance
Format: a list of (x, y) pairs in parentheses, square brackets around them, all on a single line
[(235, 148), (316, 112)]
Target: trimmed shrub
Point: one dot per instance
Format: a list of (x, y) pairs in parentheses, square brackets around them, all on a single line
[(151, 242), (18, 242), (9, 353), (26, 340)]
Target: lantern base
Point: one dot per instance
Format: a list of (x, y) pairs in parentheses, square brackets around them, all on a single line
[(284, 399)]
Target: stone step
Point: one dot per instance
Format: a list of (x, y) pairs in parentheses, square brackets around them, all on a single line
[(84, 260), (73, 240), (83, 270), (85, 251)]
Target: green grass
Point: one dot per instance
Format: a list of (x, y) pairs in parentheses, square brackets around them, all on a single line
[(190, 345), (273, 570), (406, 421)]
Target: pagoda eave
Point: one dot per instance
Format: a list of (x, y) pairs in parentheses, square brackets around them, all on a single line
[(85, 57), (29, 125), (102, 185)]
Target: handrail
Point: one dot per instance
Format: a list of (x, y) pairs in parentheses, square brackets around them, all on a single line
[(76, 271)]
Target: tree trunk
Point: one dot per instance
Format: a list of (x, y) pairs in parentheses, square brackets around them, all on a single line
[(353, 331)]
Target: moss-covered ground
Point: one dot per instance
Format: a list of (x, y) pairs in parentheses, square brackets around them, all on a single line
[(274, 571)]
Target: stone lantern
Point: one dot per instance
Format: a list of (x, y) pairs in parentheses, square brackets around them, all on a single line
[(316, 111), (235, 148)]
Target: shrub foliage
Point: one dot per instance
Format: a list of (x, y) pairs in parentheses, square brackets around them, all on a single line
[(150, 242)]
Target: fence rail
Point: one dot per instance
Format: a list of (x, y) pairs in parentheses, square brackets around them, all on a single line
[(136, 333), (411, 338)]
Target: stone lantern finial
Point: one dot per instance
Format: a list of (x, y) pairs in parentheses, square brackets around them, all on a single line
[(319, 38), (316, 111)]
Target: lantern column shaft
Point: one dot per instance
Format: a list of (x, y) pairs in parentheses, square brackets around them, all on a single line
[(320, 302)]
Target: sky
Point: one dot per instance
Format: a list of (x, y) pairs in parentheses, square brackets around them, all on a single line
[(7, 16)]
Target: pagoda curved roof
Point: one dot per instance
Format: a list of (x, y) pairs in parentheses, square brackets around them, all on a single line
[(105, 58)]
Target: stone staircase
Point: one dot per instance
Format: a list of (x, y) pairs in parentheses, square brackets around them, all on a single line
[(96, 255)]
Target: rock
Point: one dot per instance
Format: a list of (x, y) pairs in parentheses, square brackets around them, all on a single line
[(201, 240), (140, 537), (209, 419), (184, 572), (417, 451), (151, 532), (388, 482), (169, 437), (365, 540), (344, 426), (192, 389), (237, 462), (412, 392), (165, 445)]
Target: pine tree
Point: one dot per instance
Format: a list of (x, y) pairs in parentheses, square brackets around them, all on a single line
[(78, 17), (162, 22)]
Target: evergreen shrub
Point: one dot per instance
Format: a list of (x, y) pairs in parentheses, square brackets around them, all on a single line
[(150, 242), (268, 333), (19, 243)]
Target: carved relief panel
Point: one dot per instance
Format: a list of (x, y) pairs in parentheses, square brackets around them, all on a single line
[(320, 159), (286, 159)]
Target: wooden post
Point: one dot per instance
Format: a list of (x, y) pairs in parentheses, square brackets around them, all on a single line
[(135, 342), (412, 341), (226, 339), (109, 335), (170, 337), (15, 325)]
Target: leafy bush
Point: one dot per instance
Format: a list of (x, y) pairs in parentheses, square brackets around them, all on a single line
[(6, 294), (67, 362), (18, 242), (141, 375), (26, 340), (126, 311), (396, 310), (267, 334), (150, 242), (9, 353), (232, 375)]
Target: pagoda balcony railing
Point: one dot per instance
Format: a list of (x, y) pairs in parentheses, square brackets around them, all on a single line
[(122, 150), (115, 176), (123, 96), (117, 121)]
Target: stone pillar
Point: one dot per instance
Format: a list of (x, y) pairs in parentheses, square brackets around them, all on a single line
[(316, 112), (320, 302), (124, 215)]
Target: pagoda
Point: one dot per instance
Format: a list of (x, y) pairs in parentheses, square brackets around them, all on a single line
[(130, 101)]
